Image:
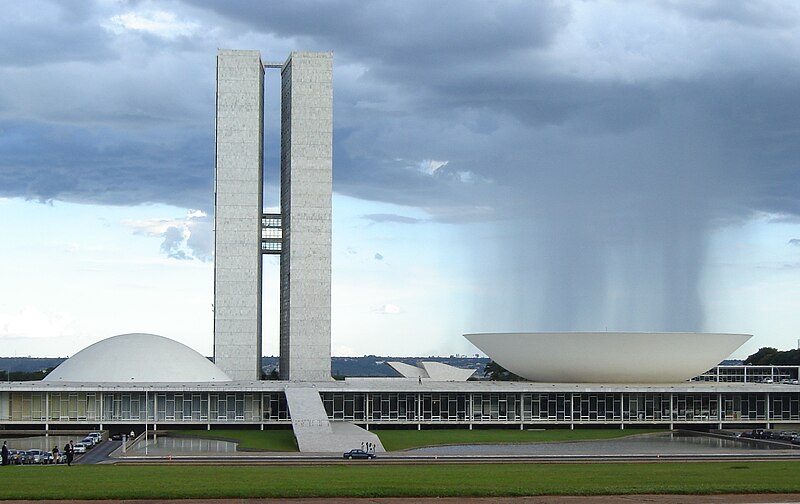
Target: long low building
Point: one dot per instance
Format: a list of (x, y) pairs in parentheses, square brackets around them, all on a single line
[(372, 402), (162, 383)]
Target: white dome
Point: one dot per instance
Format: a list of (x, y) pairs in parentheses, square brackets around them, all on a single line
[(608, 357), (137, 358)]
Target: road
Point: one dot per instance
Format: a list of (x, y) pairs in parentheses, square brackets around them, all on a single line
[(99, 453), (397, 459)]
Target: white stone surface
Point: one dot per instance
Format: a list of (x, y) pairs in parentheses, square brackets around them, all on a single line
[(306, 186), (238, 208), (439, 371), (312, 429), (137, 358), (608, 357), (407, 370), (430, 370)]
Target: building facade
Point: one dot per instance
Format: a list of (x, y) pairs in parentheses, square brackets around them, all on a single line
[(238, 206), (301, 233), (402, 403), (306, 188)]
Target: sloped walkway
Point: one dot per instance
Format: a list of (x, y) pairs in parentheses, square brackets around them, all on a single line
[(314, 432)]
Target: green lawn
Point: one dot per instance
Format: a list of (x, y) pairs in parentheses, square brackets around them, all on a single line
[(371, 479), (266, 440), (394, 440)]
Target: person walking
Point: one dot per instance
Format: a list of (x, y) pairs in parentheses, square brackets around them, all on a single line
[(69, 451), (56, 458), (5, 453)]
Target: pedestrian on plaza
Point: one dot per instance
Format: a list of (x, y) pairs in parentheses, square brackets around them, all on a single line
[(5, 453), (69, 451), (55, 455)]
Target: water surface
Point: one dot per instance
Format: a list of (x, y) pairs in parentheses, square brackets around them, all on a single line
[(650, 444)]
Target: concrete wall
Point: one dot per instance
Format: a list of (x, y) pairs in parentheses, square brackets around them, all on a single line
[(306, 180), (238, 202)]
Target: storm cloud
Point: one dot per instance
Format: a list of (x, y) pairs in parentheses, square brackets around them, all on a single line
[(598, 145)]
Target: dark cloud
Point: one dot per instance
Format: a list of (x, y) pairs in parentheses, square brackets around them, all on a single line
[(603, 167), (756, 13), (795, 242), (106, 165), (401, 219), (378, 256), (36, 33), (173, 240)]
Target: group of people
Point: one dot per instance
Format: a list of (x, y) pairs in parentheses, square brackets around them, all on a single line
[(368, 447), (69, 451)]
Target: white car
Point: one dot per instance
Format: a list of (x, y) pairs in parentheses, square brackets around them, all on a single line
[(96, 436), (34, 456), (79, 448)]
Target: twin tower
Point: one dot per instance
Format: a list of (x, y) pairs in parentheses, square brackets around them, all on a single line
[(301, 233)]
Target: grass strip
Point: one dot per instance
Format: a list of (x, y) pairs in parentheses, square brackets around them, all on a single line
[(395, 439), (280, 440), (368, 479)]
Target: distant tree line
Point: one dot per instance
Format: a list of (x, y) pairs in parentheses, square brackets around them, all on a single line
[(768, 356), (6, 375), (495, 372)]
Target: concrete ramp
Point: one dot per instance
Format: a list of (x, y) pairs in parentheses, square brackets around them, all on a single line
[(315, 433)]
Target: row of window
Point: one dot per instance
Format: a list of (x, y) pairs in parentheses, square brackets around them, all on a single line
[(532, 407), (405, 406)]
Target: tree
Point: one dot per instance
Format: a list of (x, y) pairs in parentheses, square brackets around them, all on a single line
[(762, 357), (768, 356), (496, 372)]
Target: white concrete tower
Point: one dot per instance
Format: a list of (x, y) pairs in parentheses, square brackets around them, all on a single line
[(238, 200), (306, 185)]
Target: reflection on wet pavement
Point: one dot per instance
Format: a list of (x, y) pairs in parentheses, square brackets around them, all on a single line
[(164, 445), (653, 444)]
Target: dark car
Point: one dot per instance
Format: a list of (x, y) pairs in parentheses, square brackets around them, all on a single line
[(358, 454), (16, 457)]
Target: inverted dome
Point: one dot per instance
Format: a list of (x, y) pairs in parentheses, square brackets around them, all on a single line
[(608, 357), (137, 358)]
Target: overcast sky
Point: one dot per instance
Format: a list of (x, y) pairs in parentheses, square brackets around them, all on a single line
[(498, 166)]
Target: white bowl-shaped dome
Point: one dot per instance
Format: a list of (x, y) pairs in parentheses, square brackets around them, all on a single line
[(137, 358), (608, 357)]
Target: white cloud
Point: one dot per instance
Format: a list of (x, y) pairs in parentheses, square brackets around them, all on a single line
[(387, 309), (344, 351), (160, 23), (32, 322), (189, 237), (430, 166)]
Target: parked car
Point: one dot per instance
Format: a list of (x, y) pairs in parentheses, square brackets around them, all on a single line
[(34, 456), (16, 457), (358, 454), (96, 436), (88, 441), (80, 447)]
